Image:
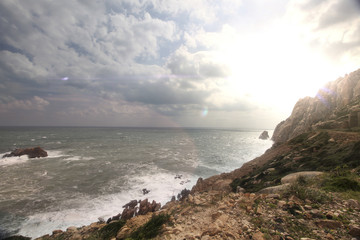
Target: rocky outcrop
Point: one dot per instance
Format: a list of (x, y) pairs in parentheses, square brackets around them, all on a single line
[(35, 152), (135, 208), (336, 105), (264, 135)]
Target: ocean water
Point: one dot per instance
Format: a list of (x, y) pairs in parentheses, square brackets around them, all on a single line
[(93, 172)]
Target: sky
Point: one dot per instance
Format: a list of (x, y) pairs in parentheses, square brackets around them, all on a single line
[(170, 63)]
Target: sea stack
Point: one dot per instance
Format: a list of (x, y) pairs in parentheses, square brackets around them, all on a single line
[(35, 152), (264, 135)]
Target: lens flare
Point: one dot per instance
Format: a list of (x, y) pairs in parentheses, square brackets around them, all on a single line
[(204, 112), (65, 78)]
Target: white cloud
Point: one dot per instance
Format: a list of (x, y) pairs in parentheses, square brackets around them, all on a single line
[(331, 27)]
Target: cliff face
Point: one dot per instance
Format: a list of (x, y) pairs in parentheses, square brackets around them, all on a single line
[(330, 109)]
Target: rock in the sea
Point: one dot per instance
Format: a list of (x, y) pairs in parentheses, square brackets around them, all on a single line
[(35, 152), (145, 191), (264, 135)]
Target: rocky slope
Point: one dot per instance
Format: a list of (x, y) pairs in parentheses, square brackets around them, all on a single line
[(329, 109), (307, 186)]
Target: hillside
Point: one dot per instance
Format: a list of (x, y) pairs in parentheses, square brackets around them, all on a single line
[(334, 105), (306, 186)]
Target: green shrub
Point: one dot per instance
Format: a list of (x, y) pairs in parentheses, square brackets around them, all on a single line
[(235, 183), (303, 192), (341, 184), (150, 229), (108, 232)]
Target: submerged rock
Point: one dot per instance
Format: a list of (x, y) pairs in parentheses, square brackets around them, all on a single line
[(35, 152)]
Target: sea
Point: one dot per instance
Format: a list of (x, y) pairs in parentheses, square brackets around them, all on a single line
[(91, 172)]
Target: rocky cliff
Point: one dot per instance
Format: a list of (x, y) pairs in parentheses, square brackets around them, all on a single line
[(336, 105)]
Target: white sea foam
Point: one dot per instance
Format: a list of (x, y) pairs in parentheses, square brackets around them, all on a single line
[(77, 158), (162, 185), (12, 160)]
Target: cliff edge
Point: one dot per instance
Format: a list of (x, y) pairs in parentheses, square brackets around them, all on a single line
[(336, 106)]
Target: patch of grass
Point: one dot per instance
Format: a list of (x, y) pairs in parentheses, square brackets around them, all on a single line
[(235, 183), (150, 229), (304, 192), (342, 184), (108, 232), (300, 138)]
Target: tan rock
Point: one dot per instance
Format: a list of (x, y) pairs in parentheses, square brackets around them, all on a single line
[(57, 232), (72, 229), (352, 203), (274, 189), (354, 231), (292, 178), (258, 236), (328, 224)]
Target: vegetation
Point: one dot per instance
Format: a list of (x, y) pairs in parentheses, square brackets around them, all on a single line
[(150, 229), (311, 151), (109, 231), (303, 190)]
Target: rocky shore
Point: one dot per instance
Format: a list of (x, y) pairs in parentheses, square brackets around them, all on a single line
[(306, 186)]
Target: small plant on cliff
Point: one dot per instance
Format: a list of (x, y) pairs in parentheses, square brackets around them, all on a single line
[(235, 183), (107, 232), (150, 229), (303, 191)]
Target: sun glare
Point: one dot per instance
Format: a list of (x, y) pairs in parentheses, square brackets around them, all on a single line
[(274, 69)]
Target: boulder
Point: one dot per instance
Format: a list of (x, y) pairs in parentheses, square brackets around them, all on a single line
[(354, 231), (274, 189), (328, 224), (293, 177), (131, 204), (35, 152), (264, 135), (128, 213), (146, 207)]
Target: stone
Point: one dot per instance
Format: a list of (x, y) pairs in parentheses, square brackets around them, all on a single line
[(258, 236), (354, 231), (128, 213), (131, 204), (352, 203), (264, 135), (72, 229), (57, 232), (145, 191), (328, 224), (293, 177), (273, 196), (146, 206), (240, 189), (35, 152), (274, 189)]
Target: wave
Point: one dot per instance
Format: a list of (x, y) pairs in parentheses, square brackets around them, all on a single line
[(83, 210), (7, 161)]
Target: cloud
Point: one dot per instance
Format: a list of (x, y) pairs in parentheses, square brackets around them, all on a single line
[(332, 27), (201, 64), (36, 103)]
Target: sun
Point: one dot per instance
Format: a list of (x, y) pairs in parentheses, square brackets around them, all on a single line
[(274, 70)]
